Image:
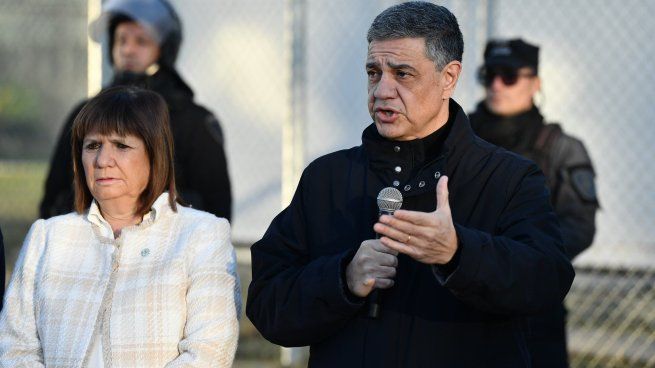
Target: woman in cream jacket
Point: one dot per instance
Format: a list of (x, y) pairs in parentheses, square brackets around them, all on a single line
[(131, 279)]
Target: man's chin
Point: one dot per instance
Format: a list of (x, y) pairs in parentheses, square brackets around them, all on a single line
[(131, 69), (389, 131)]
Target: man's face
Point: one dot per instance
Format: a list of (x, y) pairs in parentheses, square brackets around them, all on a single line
[(508, 99), (134, 48), (407, 96)]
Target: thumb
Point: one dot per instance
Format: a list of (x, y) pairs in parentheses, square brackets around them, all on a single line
[(442, 193), (369, 284)]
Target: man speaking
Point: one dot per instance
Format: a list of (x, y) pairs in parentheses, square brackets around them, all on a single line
[(474, 249)]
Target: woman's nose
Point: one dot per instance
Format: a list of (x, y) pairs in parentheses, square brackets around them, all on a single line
[(105, 157)]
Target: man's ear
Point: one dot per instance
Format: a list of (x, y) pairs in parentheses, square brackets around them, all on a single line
[(536, 86), (449, 77)]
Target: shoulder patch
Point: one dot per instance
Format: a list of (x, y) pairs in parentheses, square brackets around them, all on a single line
[(582, 181)]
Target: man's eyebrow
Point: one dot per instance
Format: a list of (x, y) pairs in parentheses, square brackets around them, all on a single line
[(375, 64), (372, 64), (401, 66)]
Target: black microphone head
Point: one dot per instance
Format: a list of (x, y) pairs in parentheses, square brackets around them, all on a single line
[(389, 200)]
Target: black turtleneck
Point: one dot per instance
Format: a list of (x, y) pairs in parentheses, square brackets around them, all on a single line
[(403, 160), (516, 133)]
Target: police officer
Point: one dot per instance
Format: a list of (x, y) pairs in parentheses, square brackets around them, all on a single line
[(143, 39), (508, 117)]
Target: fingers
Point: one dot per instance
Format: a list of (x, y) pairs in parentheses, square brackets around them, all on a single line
[(415, 218), (373, 266), (397, 229), (383, 257), (385, 272), (383, 283), (442, 193), (398, 246), (390, 232), (383, 277), (389, 260), (377, 246)]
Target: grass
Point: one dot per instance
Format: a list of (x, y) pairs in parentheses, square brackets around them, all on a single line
[(21, 188)]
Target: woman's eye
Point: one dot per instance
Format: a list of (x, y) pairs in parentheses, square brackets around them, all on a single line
[(122, 146), (92, 146)]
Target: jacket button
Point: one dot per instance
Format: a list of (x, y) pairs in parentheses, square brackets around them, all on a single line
[(397, 169), (421, 184), (407, 187), (396, 183), (437, 175), (396, 149), (145, 252)]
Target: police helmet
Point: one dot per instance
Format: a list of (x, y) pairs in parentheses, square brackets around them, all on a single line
[(158, 16)]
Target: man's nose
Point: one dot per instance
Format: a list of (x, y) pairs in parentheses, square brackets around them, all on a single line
[(385, 88), (128, 47), (497, 83)]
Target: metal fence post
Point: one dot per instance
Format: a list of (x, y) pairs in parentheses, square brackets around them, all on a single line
[(293, 129)]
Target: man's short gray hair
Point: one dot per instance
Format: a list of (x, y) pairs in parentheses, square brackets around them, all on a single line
[(417, 19)]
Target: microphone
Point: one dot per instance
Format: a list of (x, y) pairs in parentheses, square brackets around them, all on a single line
[(389, 200)]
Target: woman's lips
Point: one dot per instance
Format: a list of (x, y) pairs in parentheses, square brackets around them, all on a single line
[(106, 180)]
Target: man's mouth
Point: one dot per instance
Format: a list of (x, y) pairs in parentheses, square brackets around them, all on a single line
[(386, 116)]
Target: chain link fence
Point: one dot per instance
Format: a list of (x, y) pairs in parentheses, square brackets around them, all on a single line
[(597, 73)]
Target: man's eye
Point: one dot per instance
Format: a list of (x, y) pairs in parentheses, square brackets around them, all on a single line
[(402, 74), (371, 74)]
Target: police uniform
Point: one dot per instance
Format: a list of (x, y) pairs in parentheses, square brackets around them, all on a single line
[(201, 171), (570, 179)]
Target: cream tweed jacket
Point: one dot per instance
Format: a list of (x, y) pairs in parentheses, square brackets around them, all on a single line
[(164, 294)]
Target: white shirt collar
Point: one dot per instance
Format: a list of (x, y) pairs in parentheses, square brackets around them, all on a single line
[(95, 216)]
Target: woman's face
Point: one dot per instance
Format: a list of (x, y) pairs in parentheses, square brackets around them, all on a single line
[(116, 168)]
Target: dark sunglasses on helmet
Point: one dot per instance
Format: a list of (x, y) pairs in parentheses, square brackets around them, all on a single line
[(508, 76)]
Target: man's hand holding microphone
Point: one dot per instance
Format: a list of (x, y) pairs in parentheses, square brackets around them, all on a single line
[(428, 237)]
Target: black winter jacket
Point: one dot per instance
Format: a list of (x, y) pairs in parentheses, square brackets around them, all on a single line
[(563, 159), (570, 177), (201, 171), (510, 263)]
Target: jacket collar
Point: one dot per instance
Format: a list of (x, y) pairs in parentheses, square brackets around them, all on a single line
[(517, 133), (158, 208), (450, 142), (166, 81), (460, 137)]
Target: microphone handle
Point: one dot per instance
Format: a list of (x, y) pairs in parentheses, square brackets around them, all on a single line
[(374, 297), (374, 304)]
